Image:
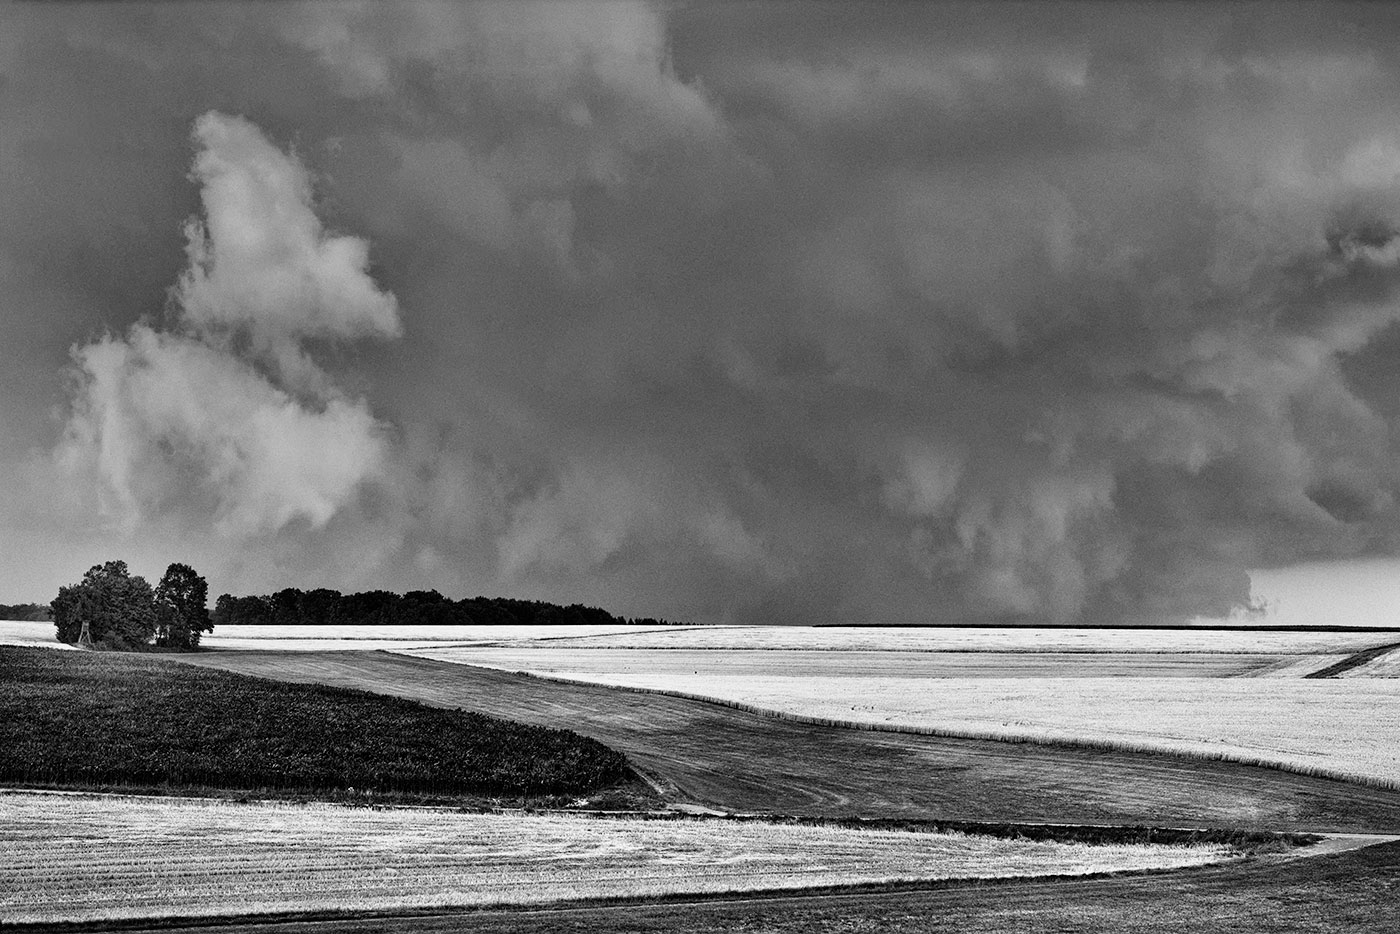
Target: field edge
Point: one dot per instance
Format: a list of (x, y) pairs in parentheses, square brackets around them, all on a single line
[(1106, 745)]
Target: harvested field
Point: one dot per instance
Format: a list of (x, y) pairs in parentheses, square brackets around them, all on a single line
[(1382, 666), (1347, 728), (739, 761), (1297, 666), (1351, 892), (87, 858), (320, 638), (565, 659), (991, 639), (22, 632)]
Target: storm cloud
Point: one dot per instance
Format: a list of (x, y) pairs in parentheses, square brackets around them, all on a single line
[(789, 313)]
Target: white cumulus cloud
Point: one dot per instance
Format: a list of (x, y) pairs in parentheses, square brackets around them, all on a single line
[(183, 422)]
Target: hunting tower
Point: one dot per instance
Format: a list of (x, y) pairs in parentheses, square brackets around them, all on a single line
[(85, 637)]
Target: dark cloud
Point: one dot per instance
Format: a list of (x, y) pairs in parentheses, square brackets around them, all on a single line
[(764, 312)]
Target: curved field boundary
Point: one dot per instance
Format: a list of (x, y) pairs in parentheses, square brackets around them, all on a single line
[(1365, 656), (710, 756), (1022, 738)]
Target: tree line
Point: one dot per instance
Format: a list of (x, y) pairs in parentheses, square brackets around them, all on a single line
[(323, 607), (124, 612), (25, 612)]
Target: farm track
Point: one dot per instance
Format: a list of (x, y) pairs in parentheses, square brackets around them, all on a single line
[(1355, 891), (739, 761)]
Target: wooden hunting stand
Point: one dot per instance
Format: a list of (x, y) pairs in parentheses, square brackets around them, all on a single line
[(85, 637)]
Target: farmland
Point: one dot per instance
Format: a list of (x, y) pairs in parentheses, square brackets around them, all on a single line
[(17, 632), (991, 639), (351, 637), (119, 719), (568, 659), (736, 760), (85, 858), (1351, 892), (1247, 705), (774, 750), (342, 638)]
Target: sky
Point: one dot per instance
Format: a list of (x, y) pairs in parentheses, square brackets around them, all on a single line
[(720, 312)]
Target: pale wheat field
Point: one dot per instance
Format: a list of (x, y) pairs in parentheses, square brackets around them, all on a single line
[(564, 657), (321, 638), (1385, 666), (21, 632), (975, 639), (77, 857), (343, 638)]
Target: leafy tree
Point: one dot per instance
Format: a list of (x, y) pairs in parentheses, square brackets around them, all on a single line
[(182, 598), (318, 607), (119, 608), (242, 611), (286, 607)]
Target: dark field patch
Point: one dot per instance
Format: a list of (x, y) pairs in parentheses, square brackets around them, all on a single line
[(106, 719), (744, 762)]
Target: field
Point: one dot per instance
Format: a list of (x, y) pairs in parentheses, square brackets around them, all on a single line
[(344, 638), (88, 858), (1352, 892), (566, 658), (1383, 666), (1124, 728), (1246, 705), (375, 637), (108, 718), (735, 760), (18, 632), (984, 639)]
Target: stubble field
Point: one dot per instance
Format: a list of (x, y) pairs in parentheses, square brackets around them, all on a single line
[(86, 858), (990, 639)]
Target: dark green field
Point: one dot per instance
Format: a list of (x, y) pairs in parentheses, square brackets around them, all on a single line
[(102, 719)]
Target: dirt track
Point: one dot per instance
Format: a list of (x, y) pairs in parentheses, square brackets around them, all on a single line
[(737, 761)]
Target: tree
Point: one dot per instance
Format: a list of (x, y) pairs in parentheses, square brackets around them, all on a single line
[(182, 599), (242, 611), (119, 608)]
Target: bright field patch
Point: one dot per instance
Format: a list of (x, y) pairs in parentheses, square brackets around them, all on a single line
[(1384, 666), (565, 657), (20, 632), (322, 638), (988, 639), (88, 858)]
